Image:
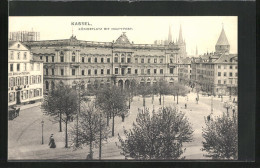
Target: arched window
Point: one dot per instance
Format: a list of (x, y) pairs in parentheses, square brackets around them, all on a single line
[(61, 56), (47, 85)]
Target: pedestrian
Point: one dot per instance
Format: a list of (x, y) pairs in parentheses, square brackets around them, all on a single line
[(185, 106), (52, 142), (197, 100), (208, 118), (233, 112), (160, 100), (123, 117), (234, 100)]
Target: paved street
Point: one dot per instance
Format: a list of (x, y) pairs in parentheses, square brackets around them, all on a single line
[(25, 136)]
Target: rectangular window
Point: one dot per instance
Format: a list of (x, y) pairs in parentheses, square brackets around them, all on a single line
[(18, 55), (236, 74), (95, 71), (52, 58), (73, 71), (102, 60), (102, 71), (61, 58), (219, 73), (108, 60), (230, 67), (46, 71), (155, 60), (219, 66), (73, 59), (96, 60), (225, 67), (40, 57), (230, 81), (136, 60), (128, 60), (236, 67), (148, 71), (161, 60), (161, 71), (123, 60), (136, 71), (171, 70), (24, 55), (62, 72), (11, 67), (225, 74), (116, 70), (89, 60), (108, 71), (224, 82), (219, 81), (89, 72), (142, 71), (155, 71), (129, 71), (230, 74), (82, 59), (47, 59), (116, 59), (82, 72), (12, 55), (18, 67), (149, 60), (52, 71), (142, 60)]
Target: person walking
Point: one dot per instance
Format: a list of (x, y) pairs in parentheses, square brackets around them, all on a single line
[(52, 142), (185, 106)]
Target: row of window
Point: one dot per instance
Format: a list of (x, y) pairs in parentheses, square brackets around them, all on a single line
[(225, 66), (25, 94), (18, 55), (20, 68), (225, 74), (89, 71), (25, 80), (225, 81)]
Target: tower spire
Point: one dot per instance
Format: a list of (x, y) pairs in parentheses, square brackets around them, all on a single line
[(180, 40), (169, 35)]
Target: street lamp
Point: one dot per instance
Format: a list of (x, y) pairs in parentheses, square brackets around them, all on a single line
[(42, 130)]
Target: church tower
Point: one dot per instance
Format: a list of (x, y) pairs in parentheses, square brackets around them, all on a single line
[(170, 36), (181, 44), (222, 46)]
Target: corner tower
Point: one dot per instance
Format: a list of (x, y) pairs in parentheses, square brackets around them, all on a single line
[(222, 46)]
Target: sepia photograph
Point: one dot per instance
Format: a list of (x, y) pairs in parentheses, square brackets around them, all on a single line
[(123, 88)]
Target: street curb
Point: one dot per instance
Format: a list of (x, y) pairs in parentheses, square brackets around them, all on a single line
[(24, 107)]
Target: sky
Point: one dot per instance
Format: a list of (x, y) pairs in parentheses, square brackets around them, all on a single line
[(200, 31)]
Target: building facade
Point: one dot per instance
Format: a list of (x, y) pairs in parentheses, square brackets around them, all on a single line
[(103, 63), (184, 71), (216, 72), (24, 36), (25, 75)]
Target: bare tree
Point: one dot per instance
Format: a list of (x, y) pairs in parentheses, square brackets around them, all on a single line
[(92, 129), (111, 100), (61, 103), (157, 137)]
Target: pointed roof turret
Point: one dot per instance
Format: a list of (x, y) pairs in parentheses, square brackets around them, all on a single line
[(222, 40), (180, 40)]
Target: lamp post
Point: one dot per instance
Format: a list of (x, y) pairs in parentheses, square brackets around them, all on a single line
[(42, 131)]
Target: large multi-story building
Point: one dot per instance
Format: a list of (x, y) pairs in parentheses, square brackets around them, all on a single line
[(25, 75), (184, 71), (24, 36), (216, 72), (103, 63)]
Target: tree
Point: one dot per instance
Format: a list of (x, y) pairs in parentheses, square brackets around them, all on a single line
[(178, 89), (144, 90), (162, 88), (157, 137), (111, 100), (62, 104), (221, 137), (92, 129)]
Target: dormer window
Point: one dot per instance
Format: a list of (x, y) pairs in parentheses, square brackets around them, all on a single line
[(18, 46)]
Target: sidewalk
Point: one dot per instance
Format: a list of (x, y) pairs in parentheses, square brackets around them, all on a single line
[(27, 106)]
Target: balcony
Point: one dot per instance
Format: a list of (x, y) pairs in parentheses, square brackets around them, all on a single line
[(74, 65), (124, 65), (172, 65)]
